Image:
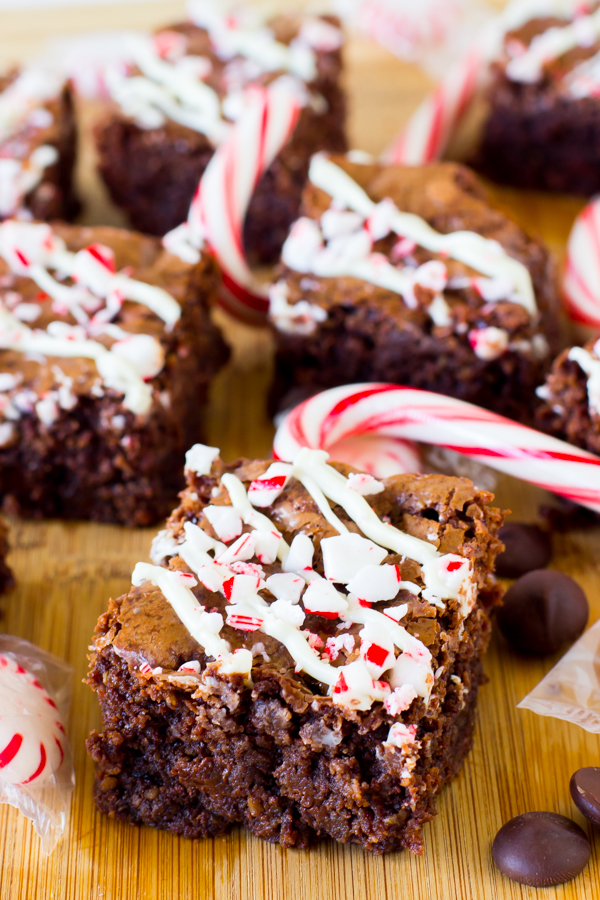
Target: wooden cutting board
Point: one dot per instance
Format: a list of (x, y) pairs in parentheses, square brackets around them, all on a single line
[(66, 573)]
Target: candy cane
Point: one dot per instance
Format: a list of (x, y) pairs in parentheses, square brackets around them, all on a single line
[(32, 738), (219, 207), (581, 283), (389, 411), (433, 125)]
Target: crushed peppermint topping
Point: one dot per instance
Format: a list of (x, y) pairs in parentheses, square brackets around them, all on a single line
[(389, 665), (94, 299), (340, 244)]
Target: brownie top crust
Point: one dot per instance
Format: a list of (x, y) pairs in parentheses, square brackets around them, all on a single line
[(32, 103), (418, 246), (90, 313), (555, 53), (261, 573), (190, 77)]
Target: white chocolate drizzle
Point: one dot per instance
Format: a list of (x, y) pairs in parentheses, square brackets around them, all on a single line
[(94, 299), (351, 559), (485, 256), (169, 84), (528, 66)]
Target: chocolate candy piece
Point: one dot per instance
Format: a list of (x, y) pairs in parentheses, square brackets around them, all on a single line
[(541, 849), (585, 791), (528, 547), (542, 611)]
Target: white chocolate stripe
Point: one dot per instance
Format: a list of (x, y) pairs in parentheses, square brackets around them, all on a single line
[(184, 603), (483, 255), (116, 372), (551, 45)]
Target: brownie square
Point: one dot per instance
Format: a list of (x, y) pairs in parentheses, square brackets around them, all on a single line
[(38, 143), (297, 718), (542, 126), (152, 170), (415, 317), (107, 353)]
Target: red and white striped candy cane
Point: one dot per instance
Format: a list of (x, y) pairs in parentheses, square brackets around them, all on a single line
[(581, 283), (226, 188), (433, 125), (393, 412), (32, 738)]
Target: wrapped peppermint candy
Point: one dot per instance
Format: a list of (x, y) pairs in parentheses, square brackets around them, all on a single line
[(571, 690), (36, 769)]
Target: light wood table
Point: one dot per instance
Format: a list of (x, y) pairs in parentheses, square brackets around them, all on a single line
[(66, 572)]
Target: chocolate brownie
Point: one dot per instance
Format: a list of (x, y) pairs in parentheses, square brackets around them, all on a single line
[(571, 397), (38, 141), (317, 679), (409, 275), (107, 354), (160, 135), (542, 127)]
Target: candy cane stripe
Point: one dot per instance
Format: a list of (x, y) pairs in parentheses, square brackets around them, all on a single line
[(390, 412)]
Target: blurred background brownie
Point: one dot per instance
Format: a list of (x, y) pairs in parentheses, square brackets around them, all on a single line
[(107, 354), (542, 129), (360, 298), (173, 108), (571, 397), (6, 576), (310, 682), (38, 142)]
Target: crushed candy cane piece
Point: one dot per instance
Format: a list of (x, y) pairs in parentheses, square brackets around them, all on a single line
[(225, 520), (200, 457), (400, 699), (333, 645), (300, 557), (267, 546), (322, 599), (285, 586), (356, 688), (376, 648), (240, 587), (192, 666), (346, 554), (402, 736), (265, 489), (242, 549), (364, 484), (375, 583)]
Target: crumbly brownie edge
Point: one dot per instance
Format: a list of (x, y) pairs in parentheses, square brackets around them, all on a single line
[(200, 764)]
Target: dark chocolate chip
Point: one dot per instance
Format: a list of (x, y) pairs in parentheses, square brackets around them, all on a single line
[(585, 791), (542, 611), (528, 547), (541, 849)]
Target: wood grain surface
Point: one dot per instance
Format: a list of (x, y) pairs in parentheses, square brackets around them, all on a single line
[(66, 573)]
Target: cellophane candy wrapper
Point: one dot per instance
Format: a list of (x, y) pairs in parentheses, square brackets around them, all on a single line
[(431, 33), (571, 690), (36, 767)]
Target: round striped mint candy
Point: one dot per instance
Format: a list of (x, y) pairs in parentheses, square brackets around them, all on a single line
[(32, 737)]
